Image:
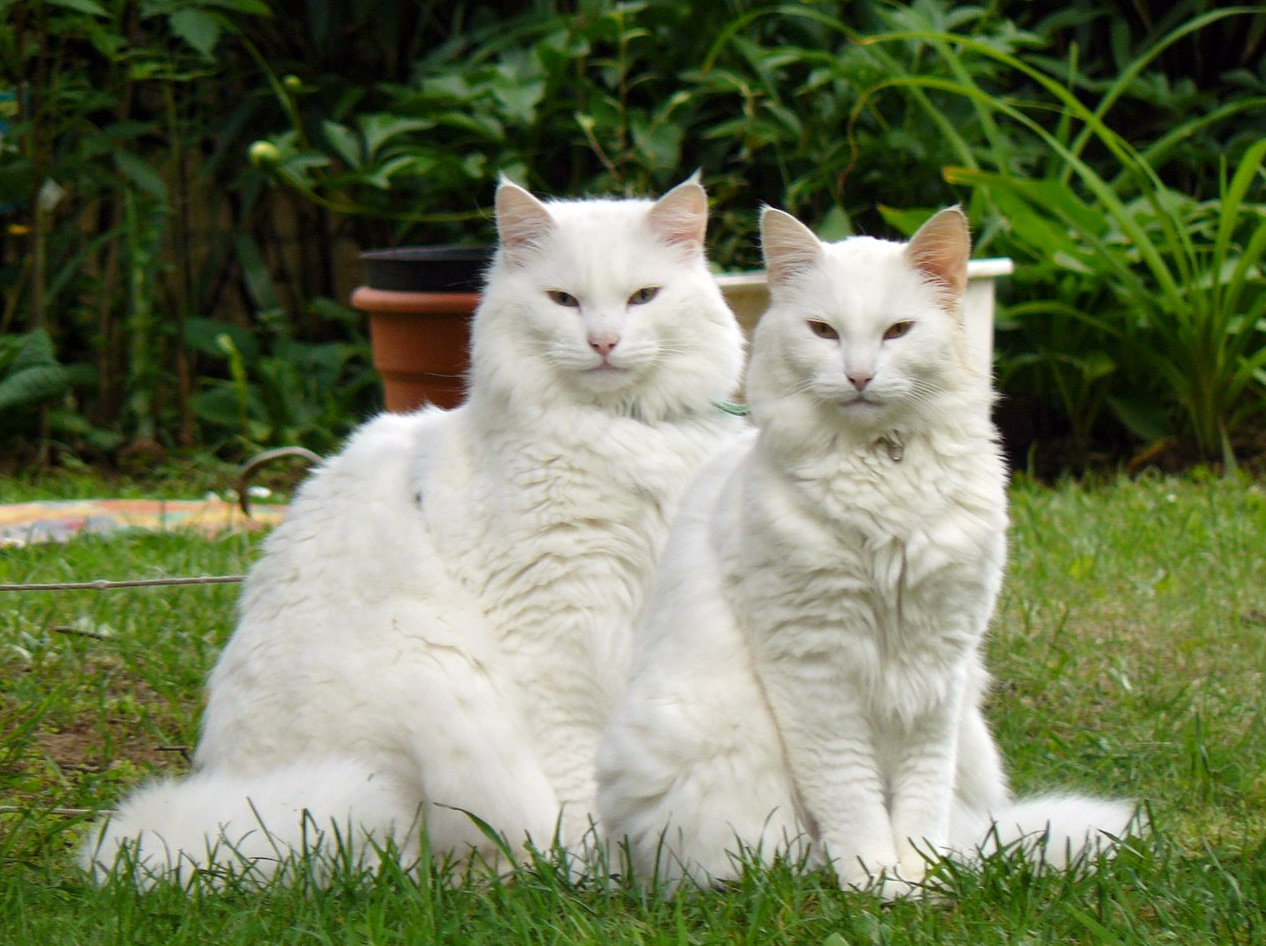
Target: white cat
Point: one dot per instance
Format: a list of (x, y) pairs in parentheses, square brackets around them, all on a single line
[(444, 620), (808, 676)]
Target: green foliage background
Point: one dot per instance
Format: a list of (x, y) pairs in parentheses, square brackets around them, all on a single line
[(194, 300)]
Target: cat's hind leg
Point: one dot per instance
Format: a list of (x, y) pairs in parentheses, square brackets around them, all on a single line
[(692, 779), (464, 742)]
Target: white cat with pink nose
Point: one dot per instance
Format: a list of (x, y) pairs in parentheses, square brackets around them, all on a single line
[(442, 625)]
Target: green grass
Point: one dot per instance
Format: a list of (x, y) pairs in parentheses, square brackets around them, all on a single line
[(1129, 652)]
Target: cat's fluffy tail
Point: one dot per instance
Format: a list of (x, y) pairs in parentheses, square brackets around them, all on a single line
[(1058, 830), (307, 816)]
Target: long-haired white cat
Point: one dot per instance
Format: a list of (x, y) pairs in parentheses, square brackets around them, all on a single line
[(808, 676), (443, 622)]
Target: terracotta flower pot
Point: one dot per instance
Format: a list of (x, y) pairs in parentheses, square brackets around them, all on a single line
[(420, 300)]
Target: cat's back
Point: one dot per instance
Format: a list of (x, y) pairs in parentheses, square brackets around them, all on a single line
[(347, 585), (689, 622), (684, 611), (357, 512)]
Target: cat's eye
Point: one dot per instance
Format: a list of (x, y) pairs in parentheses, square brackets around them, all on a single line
[(564, 298), (644, 295), (823, 329), (896, 330)]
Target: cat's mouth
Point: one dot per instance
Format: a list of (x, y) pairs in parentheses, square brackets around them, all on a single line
[(607, 370), (607, 375), (860, 402)]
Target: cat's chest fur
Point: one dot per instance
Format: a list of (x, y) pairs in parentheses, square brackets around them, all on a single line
[(883, 569), (853, 503), (557, 533)]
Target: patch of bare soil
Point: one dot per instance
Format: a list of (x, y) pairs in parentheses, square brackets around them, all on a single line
[(87, 748)]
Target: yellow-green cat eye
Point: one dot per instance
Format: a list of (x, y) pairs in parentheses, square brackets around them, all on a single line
[(564, 298), (644, 295), (823, 329)]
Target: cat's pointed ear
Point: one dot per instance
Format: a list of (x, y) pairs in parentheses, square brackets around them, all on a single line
[(680, 217), (789, 247), (940, 250), (522, 221)]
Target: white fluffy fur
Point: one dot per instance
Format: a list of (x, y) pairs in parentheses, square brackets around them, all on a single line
[(449, 604), (305, 816), (808, 676)]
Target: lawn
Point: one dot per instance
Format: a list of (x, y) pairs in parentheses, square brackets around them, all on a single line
[(1129, 652)]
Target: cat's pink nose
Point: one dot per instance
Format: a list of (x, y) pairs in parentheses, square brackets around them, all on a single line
[(603, 344), (860, 380)]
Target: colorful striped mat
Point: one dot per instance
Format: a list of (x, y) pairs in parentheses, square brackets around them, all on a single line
[(61, 520)]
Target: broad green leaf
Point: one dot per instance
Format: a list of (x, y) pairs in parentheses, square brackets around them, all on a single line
[(380, 128), (659, 141), (518, 97), (258, 278), (220, 405), (1145, 418), (33, 385), (202, 335), (485, 126), (405, 165), (198, 28), (906, 221), (1097, 365), (296, 165), (345, 143), (34, 350), (835, 224)]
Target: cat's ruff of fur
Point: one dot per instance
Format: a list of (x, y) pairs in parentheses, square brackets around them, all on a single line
[(443, 621), (808, 676)]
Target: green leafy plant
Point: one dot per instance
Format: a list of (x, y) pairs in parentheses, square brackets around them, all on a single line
[(130, 210), (30, 374), (623, 98), (1182, 327), (103, 169), (34, 387), (1180, 342), (282, 391)]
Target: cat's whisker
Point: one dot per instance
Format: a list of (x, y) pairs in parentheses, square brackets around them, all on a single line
[(923, 392)]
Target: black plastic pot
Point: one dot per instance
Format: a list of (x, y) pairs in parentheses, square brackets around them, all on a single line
[(441, 268)]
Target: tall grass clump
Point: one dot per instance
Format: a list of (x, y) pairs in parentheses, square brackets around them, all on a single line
[(1159, 295)]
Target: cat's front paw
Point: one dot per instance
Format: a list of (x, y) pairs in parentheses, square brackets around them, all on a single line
[(912, 867), (889, 889), (889, 882)]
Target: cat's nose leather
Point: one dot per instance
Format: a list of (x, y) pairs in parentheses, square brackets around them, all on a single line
[(860, 380), (603, 344)]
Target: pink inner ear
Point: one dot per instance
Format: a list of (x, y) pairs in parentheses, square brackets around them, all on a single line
[(680, 217), (522, 220), (941, 248), (788, 246)]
